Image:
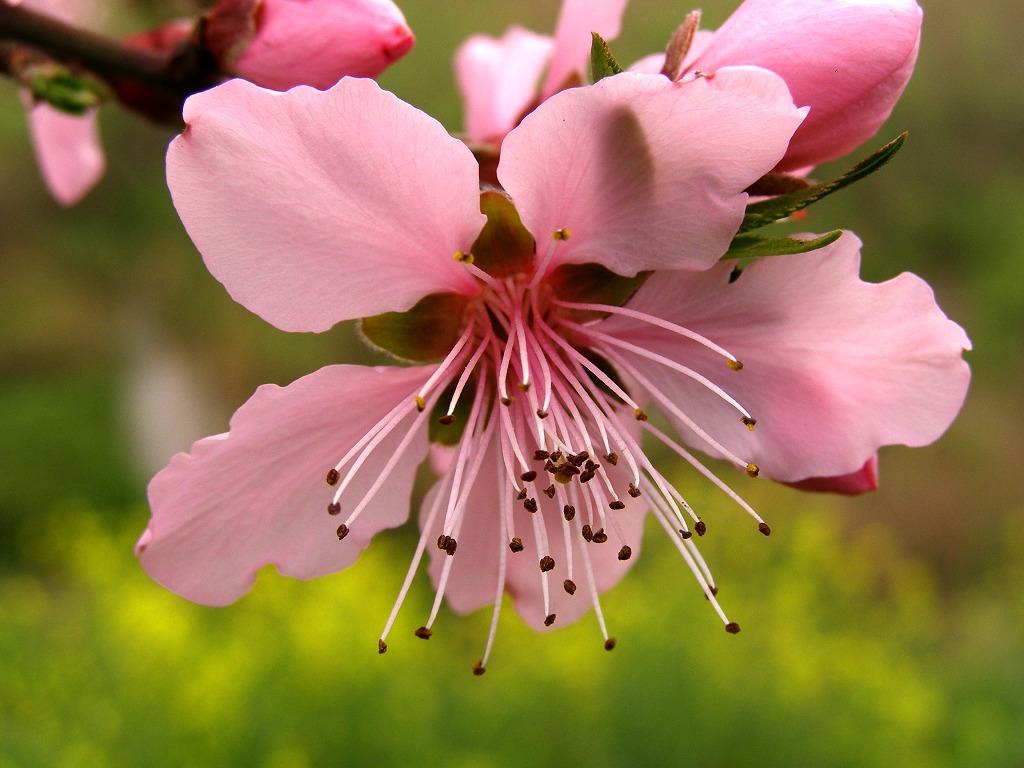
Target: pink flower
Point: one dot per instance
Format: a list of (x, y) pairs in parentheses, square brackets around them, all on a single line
[(848, 60), (279, 44), (500, 78), (316, 207), (67, 147)]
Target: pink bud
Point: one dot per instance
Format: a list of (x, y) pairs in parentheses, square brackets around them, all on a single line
[(317, 42), (848, 60)]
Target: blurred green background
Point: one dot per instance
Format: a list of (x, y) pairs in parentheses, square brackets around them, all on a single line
[(879, 630)]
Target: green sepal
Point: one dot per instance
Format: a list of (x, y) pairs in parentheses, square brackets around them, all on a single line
[(504, 246), (755, 246), (62, 90), (768, 211), (426, 332), (593, 284), (602, 63)]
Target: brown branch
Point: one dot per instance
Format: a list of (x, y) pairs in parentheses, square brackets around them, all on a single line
[(169, 76)]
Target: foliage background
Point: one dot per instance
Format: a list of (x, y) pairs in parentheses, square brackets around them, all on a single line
[(879, 630)]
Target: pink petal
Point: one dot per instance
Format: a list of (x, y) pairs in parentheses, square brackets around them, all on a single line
[(498, 80), (257, 495), (482, 541), (834, 367), (848, 60), (643, 172), (317, 42), (314, 207), (68, 152), (576, 21), (863, 480)]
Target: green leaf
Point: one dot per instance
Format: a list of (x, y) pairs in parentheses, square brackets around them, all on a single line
[(768, 211), (754, 246), (602, 63)]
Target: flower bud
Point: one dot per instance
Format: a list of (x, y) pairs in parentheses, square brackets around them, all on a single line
[(279, 44)]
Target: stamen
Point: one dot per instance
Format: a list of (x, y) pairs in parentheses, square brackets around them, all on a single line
[(333, 476), (480, 666), (669, 363), (651, 320), (446, 364), (696, 464)]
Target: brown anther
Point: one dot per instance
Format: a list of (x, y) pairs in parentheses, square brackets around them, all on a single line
[(685, 534), (753, 470), (565, 474), (732, 627), (714, 589), (541, 413), (763, 528), (547, 563), (550, 491), (516, 545), (421, 404), (587, 476), (522, 495), (590, 466), (541, 454), (625, 553), (424, 633), (530, 505), (478, 668), (550, 466), (633, 490), (640, 415), (609, 643), (569, 511), (333, 508), (569, 586), (616, 505), (700, 527), (450, 546), (333, 476), (577, 459), (381, 646), (506, 401), (448, 418), (612, 458), (528, 477), (441, 541), (600, 537), (342, 531), (751, 423), (549, 620), (588, 533), (556, 456), (735, 365), (524, 386)]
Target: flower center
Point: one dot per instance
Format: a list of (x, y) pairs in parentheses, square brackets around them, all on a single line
[(530, 382)]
